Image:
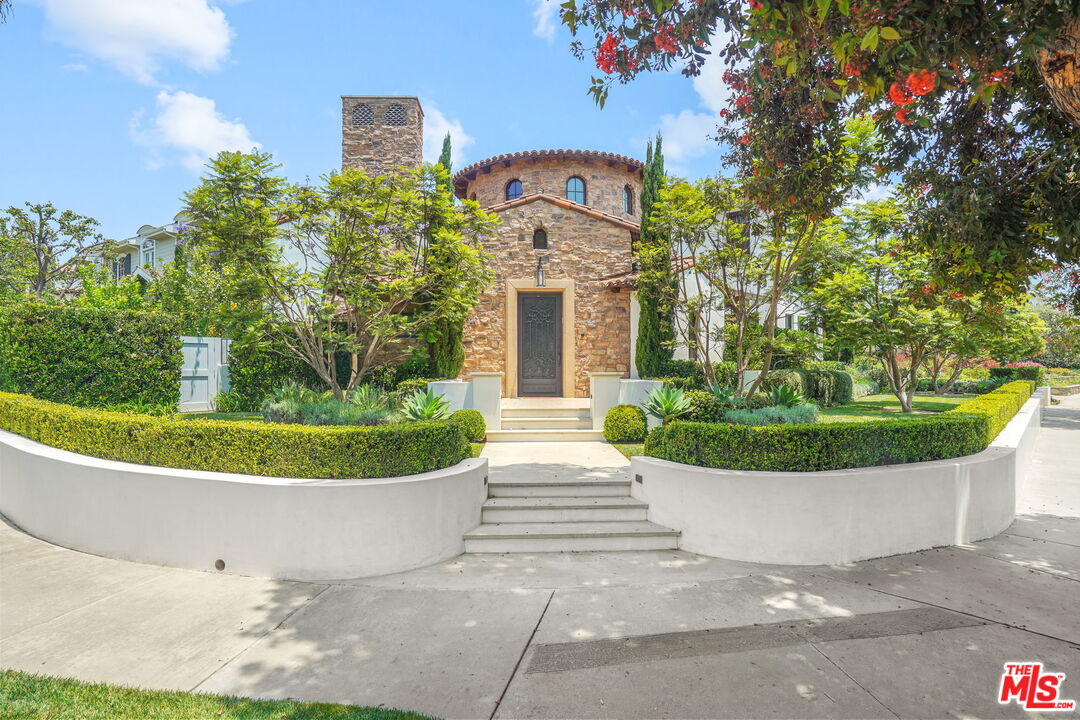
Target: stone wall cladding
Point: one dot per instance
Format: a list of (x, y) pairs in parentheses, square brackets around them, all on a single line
[(604, 182), (580, 247), (380, 147)]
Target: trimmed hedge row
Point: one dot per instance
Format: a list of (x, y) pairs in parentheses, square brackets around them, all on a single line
[(965, 430), (92, 357), (251, 448)]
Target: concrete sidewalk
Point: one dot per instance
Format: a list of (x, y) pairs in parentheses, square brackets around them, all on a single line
[(626, 635)]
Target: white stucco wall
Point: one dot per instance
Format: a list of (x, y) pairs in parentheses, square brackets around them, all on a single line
[(841, 516), (259, 526)]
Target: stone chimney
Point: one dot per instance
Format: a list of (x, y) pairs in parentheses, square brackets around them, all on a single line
[(381, 132)]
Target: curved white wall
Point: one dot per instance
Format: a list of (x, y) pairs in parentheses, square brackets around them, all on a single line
[(260, 526), (840, 516)]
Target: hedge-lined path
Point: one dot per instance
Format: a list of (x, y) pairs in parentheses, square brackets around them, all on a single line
[(654, 634)]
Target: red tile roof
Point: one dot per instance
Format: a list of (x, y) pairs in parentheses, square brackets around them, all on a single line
[(469, 172), (567, 204)]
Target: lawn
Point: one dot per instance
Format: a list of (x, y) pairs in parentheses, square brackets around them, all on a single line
[(34, 697), (883, 407), (630, 449)]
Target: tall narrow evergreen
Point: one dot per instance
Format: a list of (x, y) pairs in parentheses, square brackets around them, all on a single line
[(445, 349), (655, 327)]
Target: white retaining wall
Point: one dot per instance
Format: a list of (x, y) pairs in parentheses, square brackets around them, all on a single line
[(266, 527), (840, 516)]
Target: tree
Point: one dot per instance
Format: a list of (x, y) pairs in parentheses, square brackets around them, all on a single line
[(977, 101), (42, 248), (653, 253), (725, 272), (354, 265), (445, 348), (1062, 336)]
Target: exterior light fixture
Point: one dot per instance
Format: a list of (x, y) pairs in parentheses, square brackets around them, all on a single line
[(540, 271)]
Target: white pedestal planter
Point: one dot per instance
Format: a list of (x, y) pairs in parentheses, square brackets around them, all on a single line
[(636, 392), (486, 396), (604, 394), (286, 528), (840, 516), (454, 392)]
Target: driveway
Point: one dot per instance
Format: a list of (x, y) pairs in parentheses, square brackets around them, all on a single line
[(627, 635)]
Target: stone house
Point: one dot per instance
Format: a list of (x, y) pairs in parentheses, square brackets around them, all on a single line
[(562, 304)]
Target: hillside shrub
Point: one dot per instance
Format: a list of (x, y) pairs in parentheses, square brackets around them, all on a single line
[(92, 357), (964, 430), (1035, 373), (253, 448), (625, 423), (472, 422)]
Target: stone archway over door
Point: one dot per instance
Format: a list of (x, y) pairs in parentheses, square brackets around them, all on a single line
[(539, 344)]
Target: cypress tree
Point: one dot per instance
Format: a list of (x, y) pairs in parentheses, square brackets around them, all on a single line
[(655, 327), (445, 350)]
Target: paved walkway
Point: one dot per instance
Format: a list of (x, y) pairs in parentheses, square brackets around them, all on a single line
[(627, 635)]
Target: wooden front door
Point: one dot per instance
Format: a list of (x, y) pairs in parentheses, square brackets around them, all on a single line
[(540, 344)]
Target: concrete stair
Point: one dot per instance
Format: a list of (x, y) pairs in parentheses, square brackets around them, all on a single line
[(570, 537), (546, 420), (562, 509)]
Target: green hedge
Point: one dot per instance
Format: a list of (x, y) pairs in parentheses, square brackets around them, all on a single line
[(625, 423), (92, 357), (706, 407), (252, 448), (472, 422), (998, 406), (965, 430)]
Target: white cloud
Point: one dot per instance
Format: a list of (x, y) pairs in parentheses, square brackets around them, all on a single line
[(544, 14), (436, 125), (74, 67), (136, 37), (687, 135), (191, 127)]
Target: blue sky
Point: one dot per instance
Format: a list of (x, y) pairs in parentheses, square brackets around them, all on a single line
[(110, 107)]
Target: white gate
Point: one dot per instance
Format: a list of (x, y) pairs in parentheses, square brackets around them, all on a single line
[(204, 373)]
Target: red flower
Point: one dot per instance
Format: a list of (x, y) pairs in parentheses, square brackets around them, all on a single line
[(665, 40), (754, 4), (996, 77), (897, 94), (956, 295), (755, 172), (742, 102), (920, 83), (744, 140), (852, 70), (606, 55), (879, 168), (901, 117), (928, 288)]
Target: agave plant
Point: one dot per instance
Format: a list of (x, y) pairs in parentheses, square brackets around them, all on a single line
[(727, 396), (425, 405), (786, 396), (667, 403)]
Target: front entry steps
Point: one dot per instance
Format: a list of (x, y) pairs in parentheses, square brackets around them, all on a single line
[(570, 537), (541, 419)]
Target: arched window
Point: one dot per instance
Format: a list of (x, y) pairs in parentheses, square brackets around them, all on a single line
[(395, 115), (575, 190), (473, 197), (513, 189), (539, 239), (628, 200), (362, 115)]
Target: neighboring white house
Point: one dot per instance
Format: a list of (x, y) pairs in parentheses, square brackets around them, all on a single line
[(152, 246)]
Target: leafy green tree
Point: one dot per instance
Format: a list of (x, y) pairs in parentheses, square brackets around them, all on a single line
[(354, 265), (445, 347), (1062, 337), (42, 248), (99, 289), (653, 252), (978, 102)]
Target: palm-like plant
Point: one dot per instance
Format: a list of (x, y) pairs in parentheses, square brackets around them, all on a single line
[(425, 405), (728, 396), (786, 396), (667, 403)]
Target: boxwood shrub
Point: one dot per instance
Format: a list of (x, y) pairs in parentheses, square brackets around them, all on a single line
[(625, 423), (472, 422), (964, 430), (253, 448), (92, 357)]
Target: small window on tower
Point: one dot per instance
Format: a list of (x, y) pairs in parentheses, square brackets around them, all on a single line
[(628, 200), (575, 190), (362, 115), (513, 190), (395, 115), (539, 239)]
